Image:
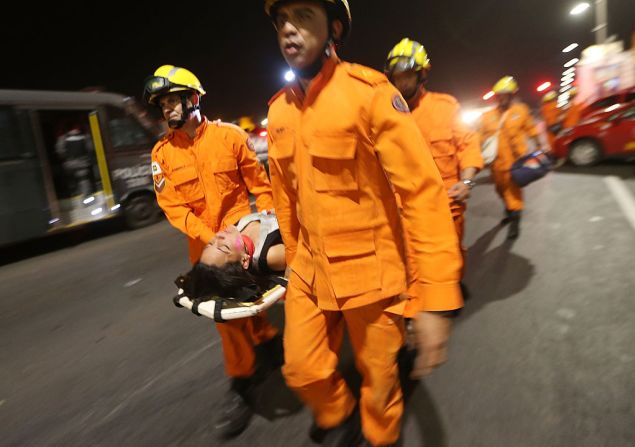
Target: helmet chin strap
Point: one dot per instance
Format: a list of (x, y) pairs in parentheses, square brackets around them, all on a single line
[(412, 93), (187, 111), (312, 70)]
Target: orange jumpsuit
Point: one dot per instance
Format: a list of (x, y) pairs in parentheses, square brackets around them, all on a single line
[(336, 153), (572, 115), (512, 144), (551, 115), (202, 185), (454, 146)]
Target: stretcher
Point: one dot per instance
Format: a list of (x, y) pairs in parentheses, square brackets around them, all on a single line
[(224, 309)]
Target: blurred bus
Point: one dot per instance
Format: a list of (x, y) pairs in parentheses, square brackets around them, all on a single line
[(70, 158)]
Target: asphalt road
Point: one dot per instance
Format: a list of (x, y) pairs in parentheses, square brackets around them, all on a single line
[(93, 353)]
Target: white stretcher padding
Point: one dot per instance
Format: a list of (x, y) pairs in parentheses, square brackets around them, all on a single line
[(234, 310)]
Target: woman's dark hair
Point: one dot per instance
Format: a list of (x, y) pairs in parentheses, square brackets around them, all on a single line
[(204, 282)]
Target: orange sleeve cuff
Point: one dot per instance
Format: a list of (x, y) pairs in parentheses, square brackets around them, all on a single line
[(432, 297)]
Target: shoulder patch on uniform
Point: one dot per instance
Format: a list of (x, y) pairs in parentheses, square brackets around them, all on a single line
[(157, 177), (400, 104), (156, 168), (365, 74), (250, 144)]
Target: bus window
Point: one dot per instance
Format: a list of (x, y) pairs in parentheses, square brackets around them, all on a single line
[(15, 138), (24, 212), (125, 132)]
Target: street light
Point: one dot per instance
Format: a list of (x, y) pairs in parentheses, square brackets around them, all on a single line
[(489, 95), (579, 8), (571, 47), (572, 62), (544, 86), (601, 18)]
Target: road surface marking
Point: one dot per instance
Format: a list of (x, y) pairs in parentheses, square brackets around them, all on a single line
[(132, 283), (623, 197), (596, 219)]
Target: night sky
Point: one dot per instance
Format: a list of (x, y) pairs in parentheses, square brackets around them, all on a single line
[(231, 45)]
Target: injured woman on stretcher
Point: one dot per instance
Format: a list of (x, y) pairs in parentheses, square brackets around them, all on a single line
[(240, 273)]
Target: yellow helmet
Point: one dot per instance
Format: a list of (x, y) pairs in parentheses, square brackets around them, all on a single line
[(246, 123), (506, 84), (170, 79), (407, 55), (550, 96), (337, 9)]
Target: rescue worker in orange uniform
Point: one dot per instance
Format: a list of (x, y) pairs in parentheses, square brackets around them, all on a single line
[(574, 111), (455, 148), (342, 144), (551, 115), (203, 173), (512, 121)]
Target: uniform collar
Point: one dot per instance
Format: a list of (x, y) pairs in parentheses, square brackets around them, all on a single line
[(421, 96), (200, 130), (318, 82)]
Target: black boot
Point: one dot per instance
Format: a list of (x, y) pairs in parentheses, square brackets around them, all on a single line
[(465, 291), (274, 352), (507, 219), (366, 443), (514, 225), (235, 411), (347, 434)]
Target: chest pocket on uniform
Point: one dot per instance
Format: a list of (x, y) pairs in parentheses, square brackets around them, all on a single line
[(444, 152), (353, 266), (226, 175), (334, 164), (187, 184)]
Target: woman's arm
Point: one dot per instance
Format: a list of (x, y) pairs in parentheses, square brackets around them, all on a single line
[(276, 258)]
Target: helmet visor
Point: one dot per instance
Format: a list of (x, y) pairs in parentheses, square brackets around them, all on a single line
[(400, 64), (154, 85)]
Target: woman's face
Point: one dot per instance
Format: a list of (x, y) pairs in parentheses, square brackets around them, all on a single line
[(227, 246)]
